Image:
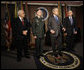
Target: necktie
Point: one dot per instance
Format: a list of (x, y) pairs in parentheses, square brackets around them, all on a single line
[(71, 20), (57, 20), (22, 22)]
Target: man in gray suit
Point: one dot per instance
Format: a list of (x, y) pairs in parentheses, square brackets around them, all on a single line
[(54, 27)]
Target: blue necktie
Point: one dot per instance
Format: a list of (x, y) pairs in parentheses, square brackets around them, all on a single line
[(57, 20)]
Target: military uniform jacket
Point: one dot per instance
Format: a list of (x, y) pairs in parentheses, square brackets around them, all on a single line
[(38, 27)]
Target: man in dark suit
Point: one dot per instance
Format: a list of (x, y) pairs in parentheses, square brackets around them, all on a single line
[(21, 28), (54, 26), (70, 29)]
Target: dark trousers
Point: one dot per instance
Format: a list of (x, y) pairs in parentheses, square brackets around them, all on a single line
[(56, 43), (39, 43), (70, 42), (21, 45)]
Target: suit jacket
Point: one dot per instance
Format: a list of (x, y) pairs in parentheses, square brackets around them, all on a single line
[(19, 27), (67, 24), (52, 24), (38, 27)]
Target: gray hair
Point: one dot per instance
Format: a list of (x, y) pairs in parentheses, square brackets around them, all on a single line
[(19, 12)]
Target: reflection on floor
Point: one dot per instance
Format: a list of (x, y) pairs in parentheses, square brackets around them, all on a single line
[(8, 59)]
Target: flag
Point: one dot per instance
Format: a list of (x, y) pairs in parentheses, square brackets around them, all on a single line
[(66, 14), (69, 8), (26, 11), (21, 5), (27, 17), (59, 10), (15, 9), (7, 27), (18, 6)]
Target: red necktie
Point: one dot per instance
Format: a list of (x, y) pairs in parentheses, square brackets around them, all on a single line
[(22, 22)]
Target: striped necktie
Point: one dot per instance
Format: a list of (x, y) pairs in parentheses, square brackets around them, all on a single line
[(71, 20), (22, 22)]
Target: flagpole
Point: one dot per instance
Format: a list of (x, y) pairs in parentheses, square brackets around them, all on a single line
[(21, 5), (15, 9), (65, 10), (59, 10)]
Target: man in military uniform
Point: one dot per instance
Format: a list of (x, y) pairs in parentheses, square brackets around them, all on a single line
[(38, 29)]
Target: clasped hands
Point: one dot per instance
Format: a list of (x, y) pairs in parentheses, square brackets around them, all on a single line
[(24, 32)]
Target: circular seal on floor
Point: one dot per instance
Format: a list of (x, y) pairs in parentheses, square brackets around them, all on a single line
[(67, 61)]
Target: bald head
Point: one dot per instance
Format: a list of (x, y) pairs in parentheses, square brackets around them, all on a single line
[(21, 13)]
